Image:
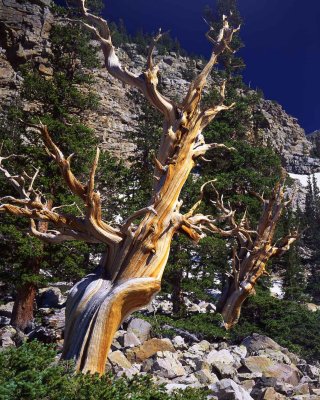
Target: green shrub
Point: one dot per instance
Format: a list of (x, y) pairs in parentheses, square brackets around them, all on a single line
[(32, 372), (204, 326), (288, 323)]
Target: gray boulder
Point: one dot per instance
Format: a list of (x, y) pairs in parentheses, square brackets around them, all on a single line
[(7, 335), (4, 321), (170, 387), (129, 339), (44, 334), (205, 377), (56, 320), (50, 297), (119, 361), (140, 328), (270, 369), (190, 380), (227, 389), (310, 370), (258, 342), (179, 343), (200, 348), (223, 363), (167, 365), (194, 362)]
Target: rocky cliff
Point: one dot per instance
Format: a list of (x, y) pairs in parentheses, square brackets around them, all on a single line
[(283, 133), (25, 35)]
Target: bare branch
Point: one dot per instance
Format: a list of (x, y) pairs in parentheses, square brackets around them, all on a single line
[(152, 46), (203, 148), (90, 190), (209, 114), (220, 45), (55, 237), (73, 183), (30, 188), (17, 182), (41, 213), (35, 208), (197, 204), (285, 244), (145, 82)]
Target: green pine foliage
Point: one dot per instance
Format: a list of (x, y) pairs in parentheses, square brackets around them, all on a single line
[(294, 280), (142, 40), (310, 221), (230, 61), (290, 324), (32, 372)]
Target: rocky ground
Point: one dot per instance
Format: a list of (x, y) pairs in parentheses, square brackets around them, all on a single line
[(258, 368)]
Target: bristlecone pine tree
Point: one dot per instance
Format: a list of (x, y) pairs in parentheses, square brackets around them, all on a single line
[(136, 254), (252, 251)]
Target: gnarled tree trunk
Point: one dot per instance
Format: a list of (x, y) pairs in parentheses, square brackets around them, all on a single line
[(131, 273)]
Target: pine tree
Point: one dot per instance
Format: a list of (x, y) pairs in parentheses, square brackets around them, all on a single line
[(312, 237), (294, 282)]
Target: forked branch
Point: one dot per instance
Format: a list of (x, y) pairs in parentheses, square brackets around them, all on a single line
[(32, 204), (221, 44)]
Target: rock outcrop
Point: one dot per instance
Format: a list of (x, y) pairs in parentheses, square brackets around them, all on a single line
[(314, 139), (24, 36), (284, 134)]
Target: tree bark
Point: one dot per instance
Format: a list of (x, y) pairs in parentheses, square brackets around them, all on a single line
[(23, 308), (253, 251), (22, 313), (230, 306)]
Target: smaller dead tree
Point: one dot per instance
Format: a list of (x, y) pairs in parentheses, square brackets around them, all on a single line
[(253, 249)]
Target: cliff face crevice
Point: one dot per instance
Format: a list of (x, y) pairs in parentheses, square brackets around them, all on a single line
[(25, 29), (25, 36)]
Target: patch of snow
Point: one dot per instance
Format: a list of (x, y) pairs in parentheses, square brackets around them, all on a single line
[(304, 178), (95, 258), (276, 288), (215, 293), (118, 219)]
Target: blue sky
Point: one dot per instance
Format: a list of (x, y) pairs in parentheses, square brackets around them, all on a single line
[(282, 44)]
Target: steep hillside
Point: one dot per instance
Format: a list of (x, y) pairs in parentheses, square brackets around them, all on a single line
[(24, 36)]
